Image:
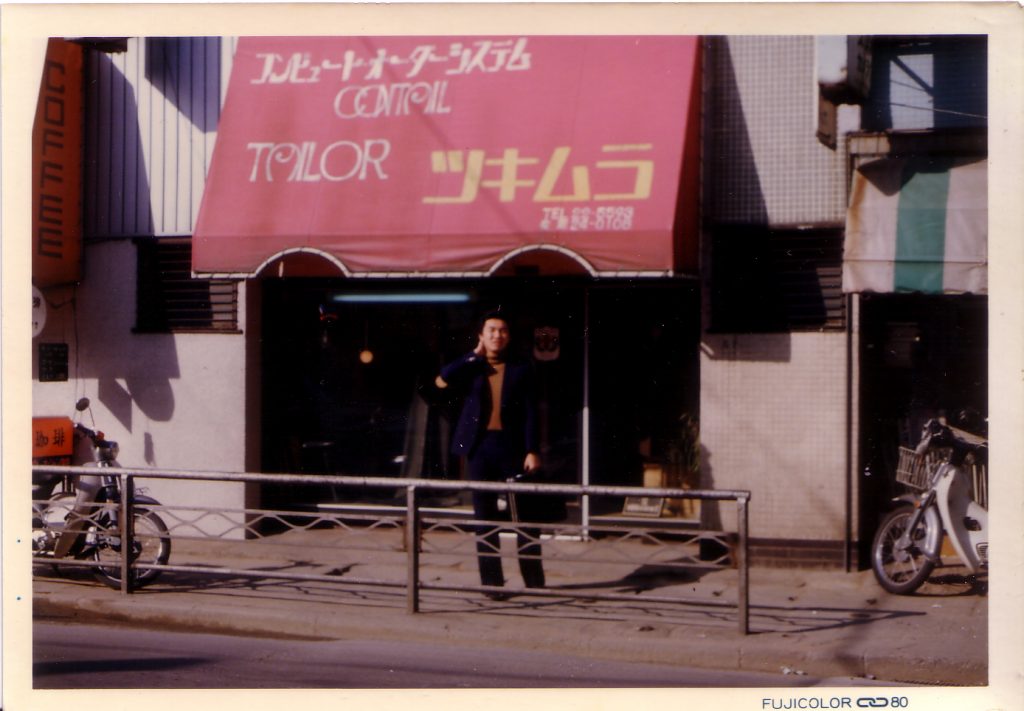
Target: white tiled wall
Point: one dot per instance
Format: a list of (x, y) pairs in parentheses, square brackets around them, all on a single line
[(764, 163), (773, 421), (773, 405)]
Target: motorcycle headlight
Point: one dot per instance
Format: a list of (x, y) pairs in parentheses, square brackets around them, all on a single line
[(110, 451)]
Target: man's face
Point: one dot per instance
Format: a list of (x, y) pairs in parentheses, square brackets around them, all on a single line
[(495, 336)]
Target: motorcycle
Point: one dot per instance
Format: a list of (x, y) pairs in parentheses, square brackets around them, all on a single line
[(80, 519), (908, 543)]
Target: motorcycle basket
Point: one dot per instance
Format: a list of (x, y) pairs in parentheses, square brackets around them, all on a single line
[(915, 470)]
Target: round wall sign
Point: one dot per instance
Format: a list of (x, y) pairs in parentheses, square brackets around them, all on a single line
[(38, 312)]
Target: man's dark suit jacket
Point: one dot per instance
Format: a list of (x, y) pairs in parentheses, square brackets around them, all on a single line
[(518, 404)]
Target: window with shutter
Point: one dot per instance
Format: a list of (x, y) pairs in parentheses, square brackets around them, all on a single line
[(776, 280), (170, 299)]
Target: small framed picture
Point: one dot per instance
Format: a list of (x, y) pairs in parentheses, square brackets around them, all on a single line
[(644, 506)]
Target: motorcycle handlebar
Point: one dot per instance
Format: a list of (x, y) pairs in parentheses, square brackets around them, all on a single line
[(937, 434), (91, 434), (98, 438)]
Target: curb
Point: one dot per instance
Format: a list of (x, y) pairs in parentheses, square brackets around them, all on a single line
[(717, 649)]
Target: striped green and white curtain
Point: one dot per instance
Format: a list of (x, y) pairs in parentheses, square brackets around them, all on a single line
[(918, 224)]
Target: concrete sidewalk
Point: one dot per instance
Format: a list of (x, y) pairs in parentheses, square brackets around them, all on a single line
[(815, 622)]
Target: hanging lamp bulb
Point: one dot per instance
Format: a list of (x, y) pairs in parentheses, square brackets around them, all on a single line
[(366, 355)]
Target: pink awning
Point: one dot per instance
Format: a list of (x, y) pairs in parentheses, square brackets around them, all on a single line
[(432, 155)]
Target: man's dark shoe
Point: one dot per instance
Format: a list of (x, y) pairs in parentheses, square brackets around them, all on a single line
[(497, 596)]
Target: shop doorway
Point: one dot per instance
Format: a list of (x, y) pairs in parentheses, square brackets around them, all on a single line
[(921, 356), (346, 369)]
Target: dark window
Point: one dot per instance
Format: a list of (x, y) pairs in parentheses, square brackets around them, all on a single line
[(765, 280), (927, 83), (169, 298)]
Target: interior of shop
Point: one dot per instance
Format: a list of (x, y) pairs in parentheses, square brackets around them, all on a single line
[(347, 367)]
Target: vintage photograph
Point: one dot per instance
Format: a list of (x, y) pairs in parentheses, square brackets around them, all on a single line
[(511, 360)]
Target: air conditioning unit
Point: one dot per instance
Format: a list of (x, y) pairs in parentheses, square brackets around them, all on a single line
[(844, 68)]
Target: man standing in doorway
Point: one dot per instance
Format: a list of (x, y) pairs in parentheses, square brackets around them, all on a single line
[(497, 434)]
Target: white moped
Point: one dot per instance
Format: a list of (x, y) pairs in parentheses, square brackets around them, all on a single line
[(908, 543), (77, 516)]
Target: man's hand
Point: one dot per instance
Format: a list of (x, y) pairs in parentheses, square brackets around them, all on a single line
[(480, 350), (531, 462)]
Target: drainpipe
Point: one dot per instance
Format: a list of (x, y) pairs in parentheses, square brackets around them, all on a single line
[(851, 313)]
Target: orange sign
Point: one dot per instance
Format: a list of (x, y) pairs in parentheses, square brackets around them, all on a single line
[(57, 168), (51, 437)]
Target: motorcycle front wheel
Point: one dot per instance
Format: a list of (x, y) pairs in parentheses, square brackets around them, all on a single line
[(151, 545), (900, 569), (51, 518)]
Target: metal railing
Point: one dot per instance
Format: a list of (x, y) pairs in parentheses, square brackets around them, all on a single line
[(412, 529)]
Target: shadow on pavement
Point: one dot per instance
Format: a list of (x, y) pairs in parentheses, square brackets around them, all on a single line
[(974, 585), (646, 577), (120, 666), (699, 612)]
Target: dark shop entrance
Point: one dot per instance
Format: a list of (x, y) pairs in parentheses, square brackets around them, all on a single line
[(921, 356), (346, 368)]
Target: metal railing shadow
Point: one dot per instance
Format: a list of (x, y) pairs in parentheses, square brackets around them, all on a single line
[(395, 539)]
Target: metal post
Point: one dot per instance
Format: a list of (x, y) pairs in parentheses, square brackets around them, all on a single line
[(412, 544), (743, 563), (585, 444), (126, 532)]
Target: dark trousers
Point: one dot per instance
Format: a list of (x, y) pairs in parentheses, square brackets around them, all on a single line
[(494, 460)]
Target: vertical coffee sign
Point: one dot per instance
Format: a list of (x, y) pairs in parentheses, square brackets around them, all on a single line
[(57, 168)]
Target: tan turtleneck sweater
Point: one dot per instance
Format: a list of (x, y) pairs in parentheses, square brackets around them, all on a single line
[(495, 380)]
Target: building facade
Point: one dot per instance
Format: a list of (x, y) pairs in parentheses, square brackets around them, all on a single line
[(301, 363)]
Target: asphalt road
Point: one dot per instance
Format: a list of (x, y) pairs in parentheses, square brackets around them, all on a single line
[(68, 655)]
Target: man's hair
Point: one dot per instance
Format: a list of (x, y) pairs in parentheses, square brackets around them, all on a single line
[(493, 314)]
